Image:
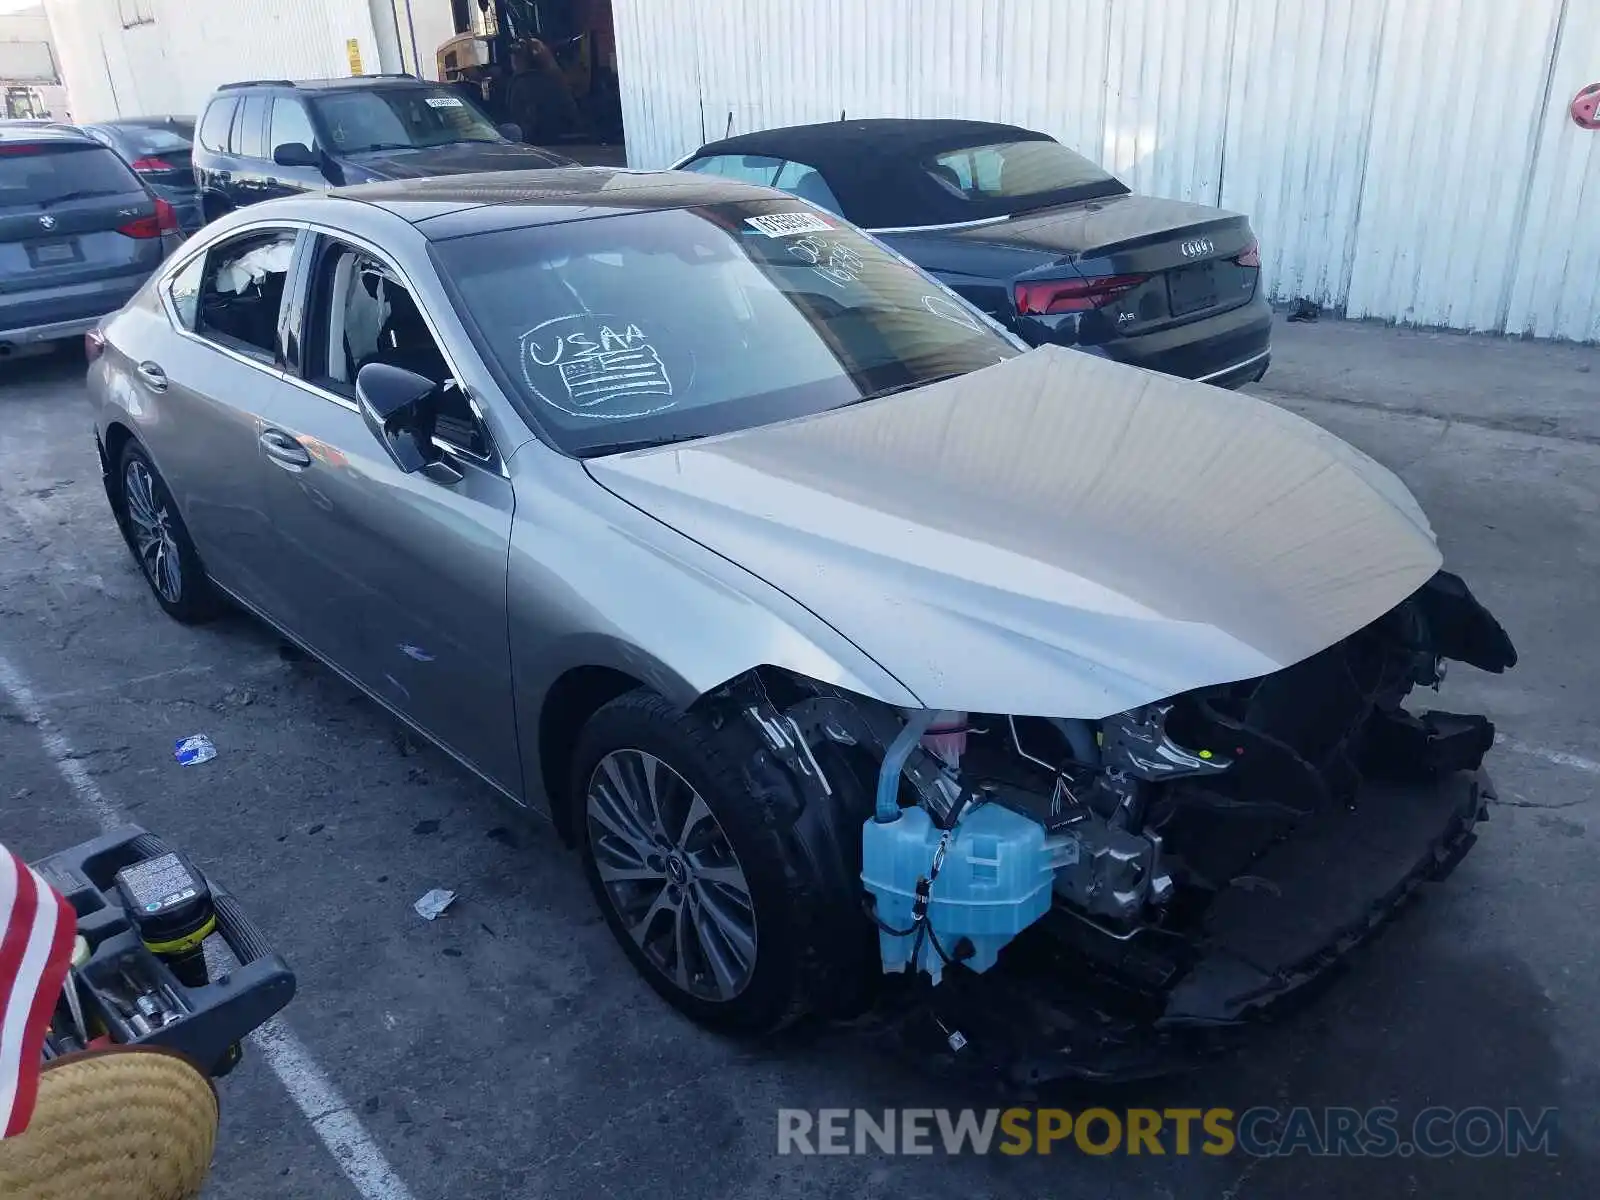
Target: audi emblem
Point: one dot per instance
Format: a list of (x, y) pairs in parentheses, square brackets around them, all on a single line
[(47, 221), (1197, 248)]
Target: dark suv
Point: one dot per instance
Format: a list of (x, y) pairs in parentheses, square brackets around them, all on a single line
[(79, 234), (274, 137)]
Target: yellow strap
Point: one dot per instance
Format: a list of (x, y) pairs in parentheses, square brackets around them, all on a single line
[(187, 942)]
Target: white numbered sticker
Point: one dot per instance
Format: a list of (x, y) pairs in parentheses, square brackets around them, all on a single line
[(444, 102), (776, 225)]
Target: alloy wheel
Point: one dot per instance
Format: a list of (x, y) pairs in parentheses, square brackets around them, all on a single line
[(151, 526), (671, 875)]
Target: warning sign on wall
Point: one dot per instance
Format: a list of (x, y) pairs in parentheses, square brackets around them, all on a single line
[(352, 49)]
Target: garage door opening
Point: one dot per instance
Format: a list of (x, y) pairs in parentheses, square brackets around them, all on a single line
[(547, 66)]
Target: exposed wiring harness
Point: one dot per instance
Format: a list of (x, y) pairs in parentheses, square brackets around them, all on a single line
[(920, 926)]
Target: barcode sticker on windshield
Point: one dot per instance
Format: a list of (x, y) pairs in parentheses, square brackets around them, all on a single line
[(444, 102), (776, 225)]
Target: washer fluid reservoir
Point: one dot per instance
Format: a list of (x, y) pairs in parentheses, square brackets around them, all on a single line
[(994, 882)]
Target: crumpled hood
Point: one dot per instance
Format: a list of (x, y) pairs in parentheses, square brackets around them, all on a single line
[(457, 159), (1053, 535)]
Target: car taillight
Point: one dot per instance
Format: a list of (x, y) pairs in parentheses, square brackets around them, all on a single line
[(163, 220), (151, 164), (1250, 256), (1073, 295), (94, 344)]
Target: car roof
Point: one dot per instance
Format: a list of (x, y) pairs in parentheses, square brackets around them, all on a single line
[(876, 167), (834, 140), (143, 122), (445, 206), (348, 83), (44, 133)]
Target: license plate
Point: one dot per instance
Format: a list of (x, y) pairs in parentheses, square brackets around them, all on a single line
[(1190, 289), (46, 254)]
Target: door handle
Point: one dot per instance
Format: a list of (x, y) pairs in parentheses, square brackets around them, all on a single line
[(284, 451), (154, 377)]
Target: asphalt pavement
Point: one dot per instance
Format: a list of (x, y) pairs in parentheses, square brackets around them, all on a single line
[(508, 1049)]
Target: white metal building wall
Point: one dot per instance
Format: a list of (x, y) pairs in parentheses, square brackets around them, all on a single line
[(143, 57), (25, 55), (1410, 160)]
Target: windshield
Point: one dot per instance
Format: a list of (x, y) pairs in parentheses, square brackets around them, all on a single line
[(401, 119), (669, 324), (1017, 170), (41, 175)]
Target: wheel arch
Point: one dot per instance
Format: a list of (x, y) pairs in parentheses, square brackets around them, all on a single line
[(117, 437), (575, 696)]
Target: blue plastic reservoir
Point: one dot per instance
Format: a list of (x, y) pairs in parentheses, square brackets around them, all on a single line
[(994, 883)]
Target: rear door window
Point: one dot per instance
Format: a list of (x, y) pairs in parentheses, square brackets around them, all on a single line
[(241, 292), (184, 288), (247, 130), (41, 176), (215, 124)]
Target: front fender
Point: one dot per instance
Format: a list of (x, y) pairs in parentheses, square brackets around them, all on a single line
[(595, 582)]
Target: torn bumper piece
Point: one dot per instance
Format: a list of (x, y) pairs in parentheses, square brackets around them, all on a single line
[(1071, 1002), (1310, 900)]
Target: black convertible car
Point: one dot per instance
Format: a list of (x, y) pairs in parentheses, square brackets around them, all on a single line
[(1036, 235)]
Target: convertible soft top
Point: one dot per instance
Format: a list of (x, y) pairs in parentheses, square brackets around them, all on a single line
[(878, 168)]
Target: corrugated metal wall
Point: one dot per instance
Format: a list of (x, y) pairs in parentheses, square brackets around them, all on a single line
[(1403, 159), (117, 64)]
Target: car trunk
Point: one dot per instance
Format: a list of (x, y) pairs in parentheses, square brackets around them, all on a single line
[(70, 213), (171, 170), (1127, 265), (159, 154)]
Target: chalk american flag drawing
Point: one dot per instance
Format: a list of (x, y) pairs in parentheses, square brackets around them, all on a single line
[(37, 928)]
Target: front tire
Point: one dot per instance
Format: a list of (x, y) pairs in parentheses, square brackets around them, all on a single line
[(160, 541), (688, 867)]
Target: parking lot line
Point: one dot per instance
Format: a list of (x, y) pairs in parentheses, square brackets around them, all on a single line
[(1560, 758), (313, 1093)]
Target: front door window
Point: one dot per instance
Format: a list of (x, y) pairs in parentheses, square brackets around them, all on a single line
[(369, 316)]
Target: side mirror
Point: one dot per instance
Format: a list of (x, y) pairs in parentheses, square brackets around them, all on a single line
[(296, 154), (510, 130), (397, 406)]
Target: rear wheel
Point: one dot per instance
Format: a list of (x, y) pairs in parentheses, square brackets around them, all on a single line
[(687, 865), (160, 541)]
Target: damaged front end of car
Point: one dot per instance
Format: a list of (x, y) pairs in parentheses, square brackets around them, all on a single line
[(1052, 897)]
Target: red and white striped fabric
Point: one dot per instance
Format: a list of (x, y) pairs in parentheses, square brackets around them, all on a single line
[(37, 929)]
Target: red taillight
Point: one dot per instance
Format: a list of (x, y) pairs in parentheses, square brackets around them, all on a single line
[(163, 220), (1073, 295), (144, 227), (20, 149), (1250, 256), (94, 344), (151, 164)]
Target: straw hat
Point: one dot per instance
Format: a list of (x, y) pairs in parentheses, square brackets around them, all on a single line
[(127, 1123)]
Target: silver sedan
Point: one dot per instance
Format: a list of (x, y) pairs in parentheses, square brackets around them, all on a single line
[(842, 635)]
